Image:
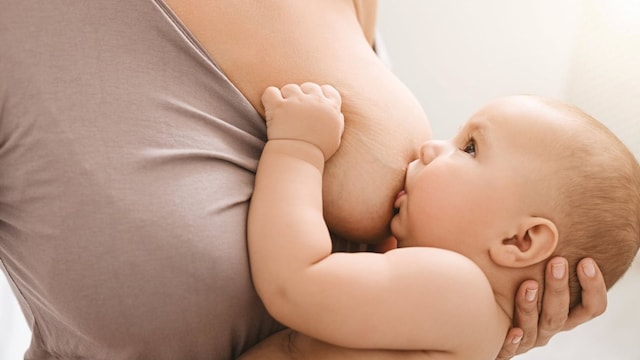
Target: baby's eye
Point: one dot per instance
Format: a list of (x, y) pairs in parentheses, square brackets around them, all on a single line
[(470, 147)]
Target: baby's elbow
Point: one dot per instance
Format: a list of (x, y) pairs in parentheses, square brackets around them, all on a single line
[(277, 299)]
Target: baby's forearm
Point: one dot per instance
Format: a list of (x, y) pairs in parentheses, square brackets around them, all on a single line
[(286, 229), (287, 234)]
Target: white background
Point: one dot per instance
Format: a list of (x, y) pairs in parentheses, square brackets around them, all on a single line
[(457, 55)]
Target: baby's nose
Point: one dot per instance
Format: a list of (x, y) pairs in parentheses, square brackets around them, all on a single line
[(431, 149)]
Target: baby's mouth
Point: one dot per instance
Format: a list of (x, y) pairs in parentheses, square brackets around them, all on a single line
[(396, 204)]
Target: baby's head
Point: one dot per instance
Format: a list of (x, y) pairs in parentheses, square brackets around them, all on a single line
[(596, 202), (526, 178)]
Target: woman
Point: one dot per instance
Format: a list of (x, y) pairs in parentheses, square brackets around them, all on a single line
[(129, 137)]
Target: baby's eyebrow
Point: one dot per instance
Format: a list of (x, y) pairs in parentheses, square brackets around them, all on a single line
[(474, 127)]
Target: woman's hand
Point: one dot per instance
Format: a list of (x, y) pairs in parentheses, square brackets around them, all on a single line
[(534, 327)]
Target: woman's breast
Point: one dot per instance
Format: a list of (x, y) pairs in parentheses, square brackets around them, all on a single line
[(384, 128)]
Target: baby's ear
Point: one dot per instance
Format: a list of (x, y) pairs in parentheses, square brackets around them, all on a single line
[(534, 242)]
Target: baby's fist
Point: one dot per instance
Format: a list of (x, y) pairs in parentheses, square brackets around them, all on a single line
[(307, 112)]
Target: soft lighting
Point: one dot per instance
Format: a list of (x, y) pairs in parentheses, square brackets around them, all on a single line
[(621, 16)]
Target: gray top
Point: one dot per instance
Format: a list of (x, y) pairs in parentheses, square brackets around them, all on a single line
[(127, 160)]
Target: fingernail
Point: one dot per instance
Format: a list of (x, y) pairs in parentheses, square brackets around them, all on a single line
[(557, 270), (530, 294), (516, 340), (589, 269)]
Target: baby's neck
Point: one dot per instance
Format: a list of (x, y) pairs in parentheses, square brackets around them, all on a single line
[(506, 285)]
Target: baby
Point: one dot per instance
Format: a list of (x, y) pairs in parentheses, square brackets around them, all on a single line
[(525, 179)]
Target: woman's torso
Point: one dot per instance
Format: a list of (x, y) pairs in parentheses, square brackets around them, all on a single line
[(127, 161), (126, 164)]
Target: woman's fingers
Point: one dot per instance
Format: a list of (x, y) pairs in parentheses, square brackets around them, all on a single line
[(526, 314), (511, 343), (538, 328), (594, 295), (555, 300)]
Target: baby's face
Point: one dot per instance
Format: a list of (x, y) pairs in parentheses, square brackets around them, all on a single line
[(463, 193)]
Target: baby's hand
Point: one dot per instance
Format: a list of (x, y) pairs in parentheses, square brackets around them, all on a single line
[(307, 112)]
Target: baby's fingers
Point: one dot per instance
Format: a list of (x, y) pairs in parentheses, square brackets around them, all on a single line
[(271, 96), (331, 93), (311, 88), (290, 90)]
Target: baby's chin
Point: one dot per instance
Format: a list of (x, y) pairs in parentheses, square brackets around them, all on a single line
[(394, 230)]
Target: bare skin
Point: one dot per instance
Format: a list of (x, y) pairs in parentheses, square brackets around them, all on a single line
[(316, 289), (290, 345), (383, 121), (306, 286)]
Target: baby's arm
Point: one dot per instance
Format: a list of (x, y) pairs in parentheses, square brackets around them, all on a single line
[(290, 345), (304, 127)]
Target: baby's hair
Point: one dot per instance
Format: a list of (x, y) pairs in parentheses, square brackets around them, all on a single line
[(598, 198)]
